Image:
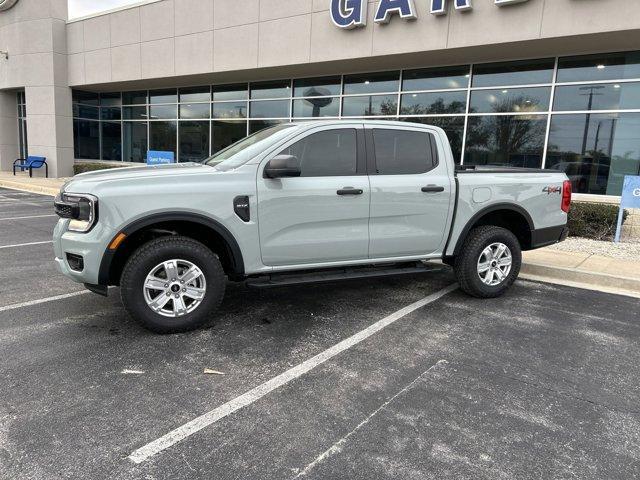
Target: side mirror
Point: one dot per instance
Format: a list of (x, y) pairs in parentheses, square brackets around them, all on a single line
[(282, 166)]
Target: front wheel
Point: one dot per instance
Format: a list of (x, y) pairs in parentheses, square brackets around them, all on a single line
[(489, 262), (172, 284)]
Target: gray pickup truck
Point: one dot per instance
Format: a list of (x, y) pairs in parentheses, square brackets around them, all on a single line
[(301, 203)]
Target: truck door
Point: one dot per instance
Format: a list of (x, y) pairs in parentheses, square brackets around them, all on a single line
[(322, 215), (410, 192)]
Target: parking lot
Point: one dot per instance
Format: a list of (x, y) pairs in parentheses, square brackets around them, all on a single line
[(331, 381)]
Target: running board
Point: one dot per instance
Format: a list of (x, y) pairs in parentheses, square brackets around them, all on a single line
[(335, 275)]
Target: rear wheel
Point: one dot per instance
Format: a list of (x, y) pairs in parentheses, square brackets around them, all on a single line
[(172, 284), (489, 262)]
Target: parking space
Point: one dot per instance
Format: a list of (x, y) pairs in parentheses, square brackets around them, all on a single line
[(26, 251), (541, 383)]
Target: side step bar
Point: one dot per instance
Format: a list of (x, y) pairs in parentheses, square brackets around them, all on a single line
[(334, 275)]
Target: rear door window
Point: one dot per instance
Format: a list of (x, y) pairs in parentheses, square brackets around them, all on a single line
[(403, 152)]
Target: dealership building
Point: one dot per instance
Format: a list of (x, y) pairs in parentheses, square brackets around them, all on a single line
[(533, 83)]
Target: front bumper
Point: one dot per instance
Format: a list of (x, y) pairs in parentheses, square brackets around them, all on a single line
[(90, 246)]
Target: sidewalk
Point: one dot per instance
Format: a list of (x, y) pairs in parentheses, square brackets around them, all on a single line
[(21, 181), (585, 270)]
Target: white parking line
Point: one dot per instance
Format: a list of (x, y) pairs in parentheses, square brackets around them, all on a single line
[(197, 424), (25, 244), (42, 300), (337, 446), (31, 216)]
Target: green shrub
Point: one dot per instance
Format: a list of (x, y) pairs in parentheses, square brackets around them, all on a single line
[(92, 166), (593, 220)]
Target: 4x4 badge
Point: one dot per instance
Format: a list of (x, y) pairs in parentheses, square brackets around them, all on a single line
[(552, 189)]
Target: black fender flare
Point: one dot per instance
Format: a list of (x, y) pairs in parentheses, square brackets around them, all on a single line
[(237, 261), (491, 208)]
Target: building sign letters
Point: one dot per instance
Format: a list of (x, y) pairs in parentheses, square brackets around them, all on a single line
[(353, 13)]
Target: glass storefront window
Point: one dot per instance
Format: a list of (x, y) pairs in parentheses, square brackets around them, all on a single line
[(596, 151), (110, 113), (134, 113), (370, 105), (436, 78), (453, 127), (111, 141), (316, 87), (230, 110), (504, 106), (194, 110), (135, 142), (195, 94), (277, 89), (86, 139), (607, 96), (433, 103), (270, 109), (510, 100), (167, 95), (22, 124), (84, 111), (506, 140), (161, 112), (257, 125), (110, 99), (612, 66), (134, 98), (381, 82), (230, 92), (526, 72), (88, 98), (226, 132), (194, 141), (316, 107), (162, 136)]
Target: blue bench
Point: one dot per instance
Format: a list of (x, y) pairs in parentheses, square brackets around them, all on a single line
[(30, 163)]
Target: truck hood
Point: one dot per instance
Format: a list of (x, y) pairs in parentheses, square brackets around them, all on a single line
[(80, 183)]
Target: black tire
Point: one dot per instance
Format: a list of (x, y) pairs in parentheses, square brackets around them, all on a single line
[(153, 253), (466, 265)]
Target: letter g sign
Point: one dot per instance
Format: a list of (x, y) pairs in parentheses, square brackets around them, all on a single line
[(349, 13), (636, 192)]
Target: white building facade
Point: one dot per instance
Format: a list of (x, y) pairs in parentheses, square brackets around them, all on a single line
[(534, 83)]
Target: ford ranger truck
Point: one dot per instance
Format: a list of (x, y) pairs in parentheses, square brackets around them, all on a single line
[(301, 203)]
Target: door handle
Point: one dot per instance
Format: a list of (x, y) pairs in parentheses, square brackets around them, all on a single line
[(432, 189), (350, 191)]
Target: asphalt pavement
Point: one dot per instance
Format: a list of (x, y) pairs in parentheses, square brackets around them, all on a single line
[(332, 381)]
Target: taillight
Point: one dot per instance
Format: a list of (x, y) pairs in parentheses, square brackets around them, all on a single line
[(566, 196)]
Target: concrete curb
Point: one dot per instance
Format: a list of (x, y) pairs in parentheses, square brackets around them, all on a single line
[(582, 279), (29, 188)]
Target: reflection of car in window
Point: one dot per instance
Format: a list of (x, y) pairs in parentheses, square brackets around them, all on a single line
[(585, 177)]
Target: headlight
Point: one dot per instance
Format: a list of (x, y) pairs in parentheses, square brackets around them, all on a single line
[(81, 208)]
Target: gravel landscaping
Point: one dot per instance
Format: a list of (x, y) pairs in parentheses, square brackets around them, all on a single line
[(598, 247)]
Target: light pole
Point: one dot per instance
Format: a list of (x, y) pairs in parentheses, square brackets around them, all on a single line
[(591, 94)]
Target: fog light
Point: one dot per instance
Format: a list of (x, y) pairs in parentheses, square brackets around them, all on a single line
[(76, 262)]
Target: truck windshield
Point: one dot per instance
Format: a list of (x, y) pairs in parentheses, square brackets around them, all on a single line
[(244, 150)]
